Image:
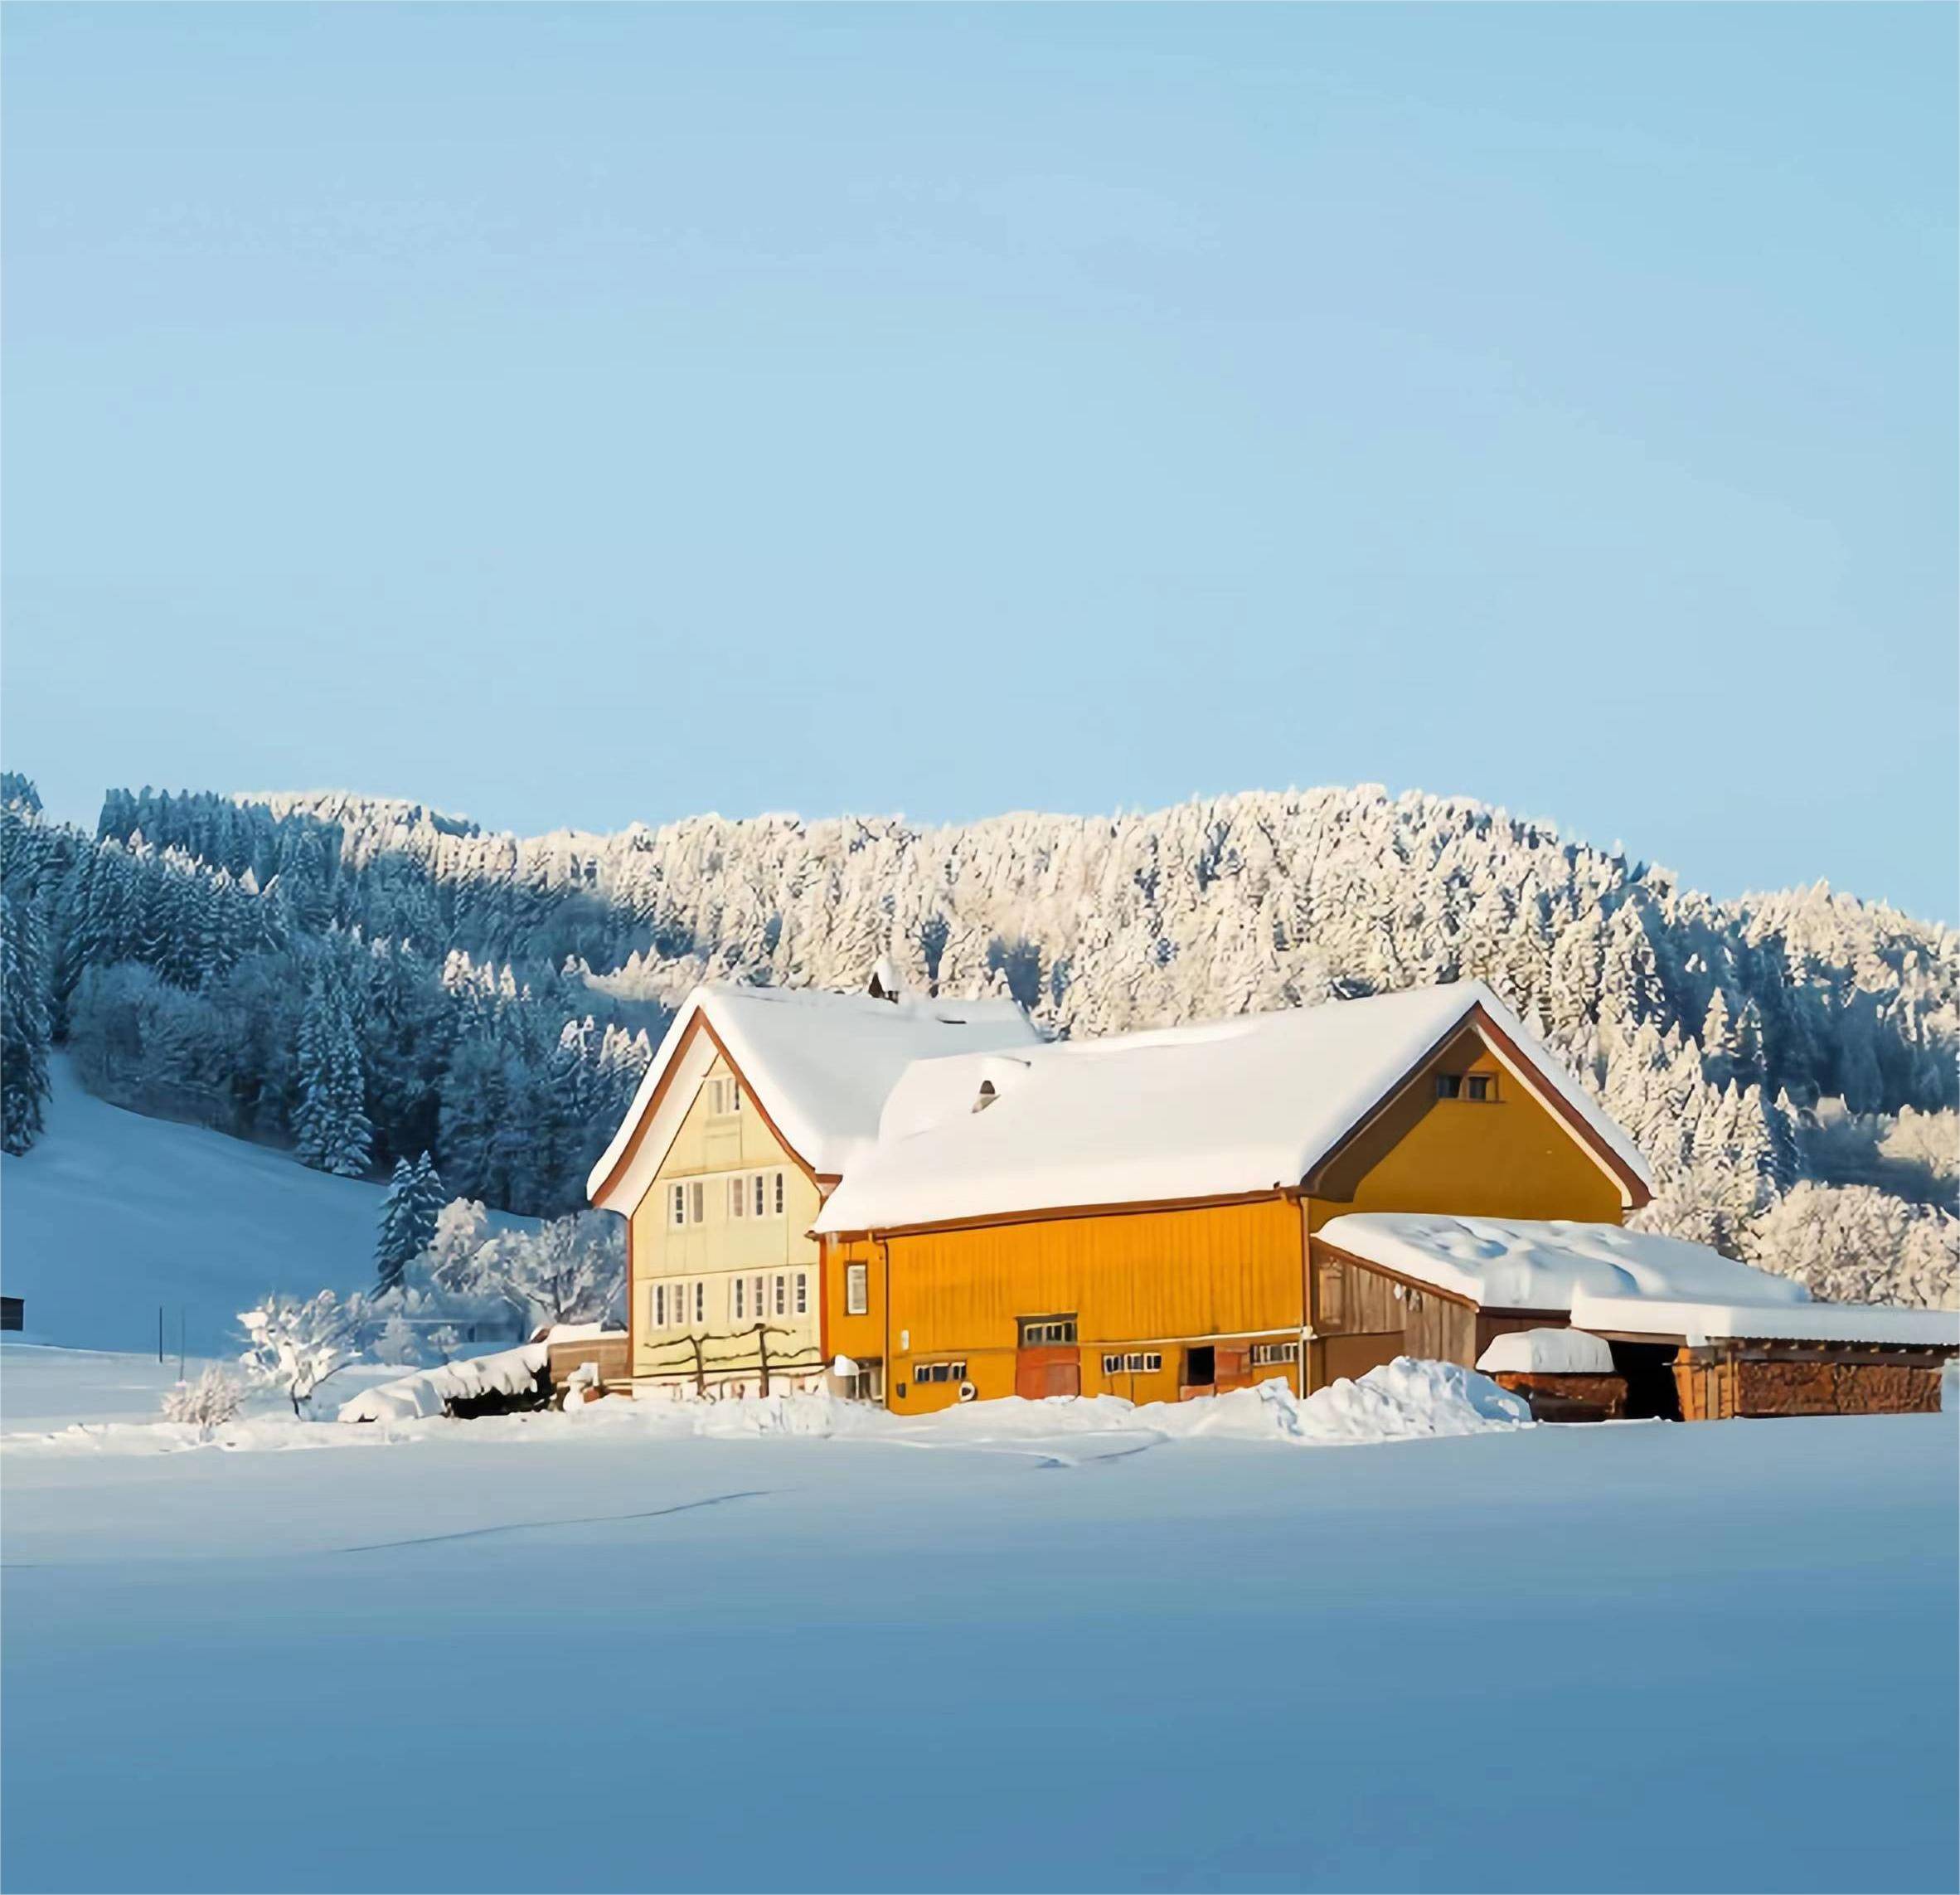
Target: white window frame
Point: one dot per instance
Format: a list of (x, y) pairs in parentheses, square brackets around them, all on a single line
[(802, 1293), (737, 1290), (779, 1193), (677, 1206), (737, 1195), (697, 1201), (857, 1290)]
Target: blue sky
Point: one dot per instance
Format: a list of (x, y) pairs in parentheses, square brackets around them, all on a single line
[(573, 414)]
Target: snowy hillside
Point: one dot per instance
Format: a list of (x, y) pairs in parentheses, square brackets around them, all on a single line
[(112, 1214)]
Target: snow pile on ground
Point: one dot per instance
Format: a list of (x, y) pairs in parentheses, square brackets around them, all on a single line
[(1547, 1351), (431, 1391), (1403, 1399)]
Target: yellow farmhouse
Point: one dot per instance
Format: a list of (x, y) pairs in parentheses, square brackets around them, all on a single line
[(752, 1109), (1139, 1215)]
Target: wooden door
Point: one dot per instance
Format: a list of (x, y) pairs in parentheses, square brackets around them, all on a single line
[(1053, 1369)]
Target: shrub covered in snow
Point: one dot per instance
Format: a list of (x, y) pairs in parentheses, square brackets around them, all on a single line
[(207, 1403)]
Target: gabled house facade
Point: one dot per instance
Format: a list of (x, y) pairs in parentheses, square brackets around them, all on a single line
[(1138, 1215), (752, 1106)]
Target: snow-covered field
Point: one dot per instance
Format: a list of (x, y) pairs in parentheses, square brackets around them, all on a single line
[(112, 1214), (1013, 1647)]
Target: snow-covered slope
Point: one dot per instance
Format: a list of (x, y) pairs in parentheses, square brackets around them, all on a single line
[(111, 1214)]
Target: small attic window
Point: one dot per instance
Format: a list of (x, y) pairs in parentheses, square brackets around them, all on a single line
[(1479, 1088), (1449, 1086), (985, 1095)]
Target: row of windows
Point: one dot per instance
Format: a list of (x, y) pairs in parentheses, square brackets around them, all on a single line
[(1480, 1088), (1039, 1331), (1133, 1363), (676, 1305), (754, 1299), (1274, 1355), (939, 1371), (682, 1304), (750, 1194)]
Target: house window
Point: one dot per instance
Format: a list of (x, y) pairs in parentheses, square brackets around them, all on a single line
[(680, 1206), (757, 1184), (781, 1296), (779, 1193), (1274, 1355), (802, 1293), (738, 1196), (1480, 1086), (762, 1307), (857, 1289), (697, 1203), (1133, 1361), (1449, 1086), (738, 1297), (700, 1302), (659, 1305), (939, 1371), (1041, 1332)]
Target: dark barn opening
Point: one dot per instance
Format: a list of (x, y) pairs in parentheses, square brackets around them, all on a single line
[(1648, 1369)]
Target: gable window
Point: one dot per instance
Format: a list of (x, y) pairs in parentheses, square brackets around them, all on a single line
[(680, 1204), (779, 1193), (1480, 1086), (857, 1293), (1449, 1086), (725, 1095), (738, 1196), (757, 1184), (697, 1203)]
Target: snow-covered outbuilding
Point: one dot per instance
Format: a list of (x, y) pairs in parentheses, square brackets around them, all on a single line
[(757, 1101), (1692, 1333)]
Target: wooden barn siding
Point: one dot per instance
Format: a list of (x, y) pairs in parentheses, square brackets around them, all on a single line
[(1145, 1279)]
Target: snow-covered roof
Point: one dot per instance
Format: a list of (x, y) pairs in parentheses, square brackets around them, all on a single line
[(1547, 1352), (1698, 1322), (1506, 1264), (1627, 1282), (1218, 1110), (819, 1065)]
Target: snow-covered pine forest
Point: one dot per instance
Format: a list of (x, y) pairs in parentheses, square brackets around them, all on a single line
[(369, 980)]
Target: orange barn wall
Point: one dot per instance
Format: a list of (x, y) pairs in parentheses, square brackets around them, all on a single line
[(1511, 1158), (1138, 1280)]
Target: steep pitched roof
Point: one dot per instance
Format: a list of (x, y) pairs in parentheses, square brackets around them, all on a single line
[(1221, 1110), (818, 1064)]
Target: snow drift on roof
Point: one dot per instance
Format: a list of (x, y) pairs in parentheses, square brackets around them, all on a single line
[(821, 1064), (1504, 1264), (1212, 1111)]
